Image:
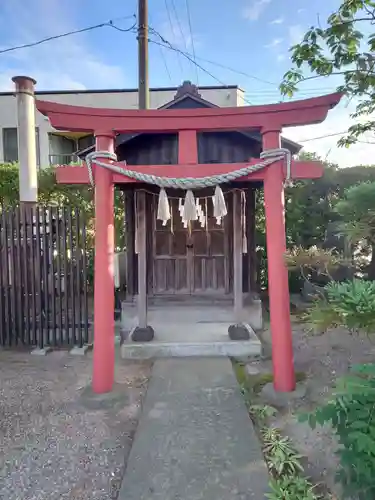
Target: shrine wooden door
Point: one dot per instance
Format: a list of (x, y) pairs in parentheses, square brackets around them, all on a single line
[(194, 262)]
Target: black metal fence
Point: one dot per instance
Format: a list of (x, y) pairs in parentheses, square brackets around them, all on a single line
[(43, 277)]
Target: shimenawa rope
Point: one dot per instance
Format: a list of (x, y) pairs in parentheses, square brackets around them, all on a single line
[(188, 183), (269, 156)]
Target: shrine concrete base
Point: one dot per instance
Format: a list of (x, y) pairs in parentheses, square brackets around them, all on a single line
[(188, 330)]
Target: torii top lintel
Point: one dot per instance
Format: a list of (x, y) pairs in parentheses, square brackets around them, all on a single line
[(264, 117)]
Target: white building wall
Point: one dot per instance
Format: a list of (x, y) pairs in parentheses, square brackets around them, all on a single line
[(222, 97)]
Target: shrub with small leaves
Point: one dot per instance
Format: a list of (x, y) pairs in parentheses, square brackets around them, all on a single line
[(292, 488), (350, 304), (314, 258), (280, 455), (261, 413), (351, 413)]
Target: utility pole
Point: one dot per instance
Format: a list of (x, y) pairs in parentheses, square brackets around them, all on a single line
[(143, 90)]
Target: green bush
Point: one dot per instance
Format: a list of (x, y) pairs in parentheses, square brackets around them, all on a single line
[(292, 488), (350, 304), (351, 413)]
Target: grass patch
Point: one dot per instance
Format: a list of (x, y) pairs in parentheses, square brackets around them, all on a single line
[(283, 461), (254, 383)]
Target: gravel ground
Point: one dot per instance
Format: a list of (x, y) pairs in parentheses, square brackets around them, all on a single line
[(322, 358), (52, 444)]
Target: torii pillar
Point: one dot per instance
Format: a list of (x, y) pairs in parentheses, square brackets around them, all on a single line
[(104, 301), (278, 286)]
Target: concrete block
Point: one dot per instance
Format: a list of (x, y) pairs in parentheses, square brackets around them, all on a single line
[(282, 399), (153, 350), (118, 396), (79, 351), (41, 352), (256, 316)]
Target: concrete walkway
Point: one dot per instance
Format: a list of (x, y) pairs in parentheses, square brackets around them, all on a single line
[(195, 439)]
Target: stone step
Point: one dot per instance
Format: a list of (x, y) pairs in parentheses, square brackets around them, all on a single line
[(157, 349)]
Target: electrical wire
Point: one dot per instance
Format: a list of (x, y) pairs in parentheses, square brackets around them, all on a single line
[(323, 136), (187, 3), (171, 28), (164, 61), (169, 46), (191, 57), (178, 24), (109, 23), (214, 63)]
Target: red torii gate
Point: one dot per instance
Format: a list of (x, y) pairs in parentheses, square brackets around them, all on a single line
[(269, 120)]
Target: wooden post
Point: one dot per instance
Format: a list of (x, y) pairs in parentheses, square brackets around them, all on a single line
[(251, 243), (104, 332), (237, 258), (142, 259), (143, 103), (278, 290), (131, 261)]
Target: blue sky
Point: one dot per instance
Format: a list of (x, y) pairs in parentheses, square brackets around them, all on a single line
[(249, 36)]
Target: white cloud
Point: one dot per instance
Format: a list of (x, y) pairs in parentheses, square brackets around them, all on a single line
[(278, 20), (280, 57), (274, 43), (255, 10), (300, 11), (325, 144), (296, 34), (66, 63)]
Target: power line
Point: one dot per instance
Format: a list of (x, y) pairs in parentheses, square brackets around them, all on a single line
[(191, 36), (175, 49), (324, 136), (109, 24), (171, 28), (169, 46), (188, 56), (191, 57), (178, 24), (164, 60), (214, 63), (272, 92)]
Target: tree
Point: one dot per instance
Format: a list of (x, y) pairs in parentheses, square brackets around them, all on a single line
[(49, 192), (309, 206), (357, 212), (345, 48)]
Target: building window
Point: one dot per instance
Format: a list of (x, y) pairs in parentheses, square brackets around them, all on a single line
[(61, 149), (86, 142), (37, 145), (10, 145)]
